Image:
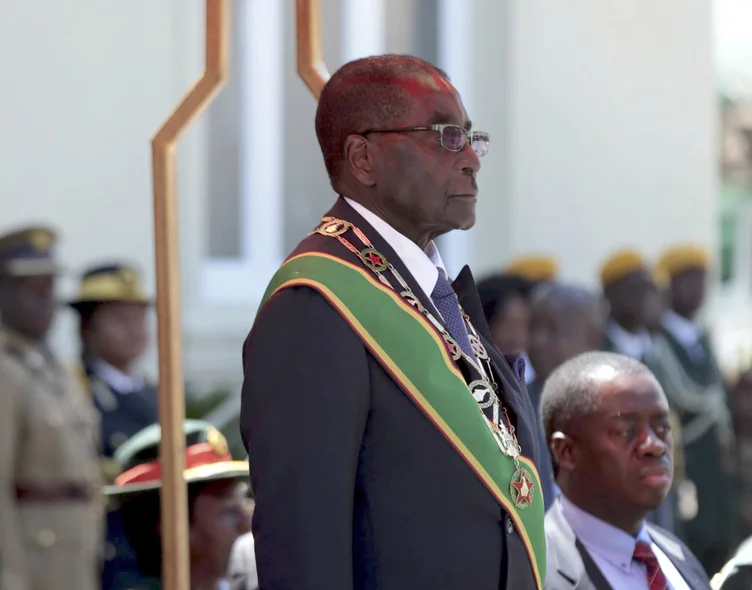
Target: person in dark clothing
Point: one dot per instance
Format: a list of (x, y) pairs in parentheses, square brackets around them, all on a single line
[(566, 321)]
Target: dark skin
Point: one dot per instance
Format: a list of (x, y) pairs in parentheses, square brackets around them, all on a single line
[(561, 330), (117, 333), (687, 292), (616, 463), (408, 179), (655, 305), (510, 326), (221, 514), (627, 298), (27, 304)]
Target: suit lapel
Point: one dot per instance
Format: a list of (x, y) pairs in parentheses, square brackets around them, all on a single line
[(565, 566), (675, 552)]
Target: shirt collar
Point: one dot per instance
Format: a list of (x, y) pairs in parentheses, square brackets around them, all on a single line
[(115, 378), (423, 265), (632, 345), (687, 332), (599, 537)]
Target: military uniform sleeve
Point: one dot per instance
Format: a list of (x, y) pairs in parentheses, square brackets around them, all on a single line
[(13, 564), (305, 404)]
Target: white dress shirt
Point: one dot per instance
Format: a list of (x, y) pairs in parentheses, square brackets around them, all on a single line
[(634, 346), (612, 550), (423, 265), (115, 378)]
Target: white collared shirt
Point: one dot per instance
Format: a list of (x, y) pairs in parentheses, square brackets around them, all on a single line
[(423, 265), (612, 550), (686, 332), (116, 379), (634, 346)]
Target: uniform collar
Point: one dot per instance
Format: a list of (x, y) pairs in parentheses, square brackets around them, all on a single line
[(115, 378)]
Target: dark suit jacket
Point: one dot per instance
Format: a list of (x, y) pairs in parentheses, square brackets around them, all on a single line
[(570, 567), (355, 489), (737, 573)]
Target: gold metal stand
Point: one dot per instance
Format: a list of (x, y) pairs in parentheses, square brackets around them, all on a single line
[(311, 66), (175, 567)]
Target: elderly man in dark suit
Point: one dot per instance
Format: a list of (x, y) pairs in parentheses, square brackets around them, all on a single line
[(392, 447), (609, 426)]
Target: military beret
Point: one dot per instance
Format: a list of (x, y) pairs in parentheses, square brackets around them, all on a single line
[(533, 267), (683, 257), (621, 264)]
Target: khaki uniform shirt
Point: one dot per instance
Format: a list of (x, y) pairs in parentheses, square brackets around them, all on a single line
[(51, 512)]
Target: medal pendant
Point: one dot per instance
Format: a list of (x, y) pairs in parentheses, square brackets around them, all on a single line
[(521, 488), (452, 346), (373, 259), (478, 348), (482, 394)]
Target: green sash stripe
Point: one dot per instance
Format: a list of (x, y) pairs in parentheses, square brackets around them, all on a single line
[(393, 330)]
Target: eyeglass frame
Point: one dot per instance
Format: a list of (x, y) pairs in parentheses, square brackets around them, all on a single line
[(440, 128)]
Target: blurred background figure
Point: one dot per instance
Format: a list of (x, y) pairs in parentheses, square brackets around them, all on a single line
[(506, 305), (111, 305), (50, 507), (219, 507), (565, 321), (696, 389), (535, 268)]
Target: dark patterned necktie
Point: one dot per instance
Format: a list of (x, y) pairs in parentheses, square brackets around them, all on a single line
[(656, 578), (446, 303)]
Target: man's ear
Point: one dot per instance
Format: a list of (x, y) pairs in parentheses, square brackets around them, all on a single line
[(359, 158), (562, 450)]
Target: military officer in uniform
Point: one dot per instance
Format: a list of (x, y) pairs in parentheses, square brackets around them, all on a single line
[(112, 306), (695, 387), (50, 506)]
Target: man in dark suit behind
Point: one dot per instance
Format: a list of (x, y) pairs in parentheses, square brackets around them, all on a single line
[(363, 479), (609, 426)]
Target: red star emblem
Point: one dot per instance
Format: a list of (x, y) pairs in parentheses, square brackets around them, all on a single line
[(374, 259), (524, 489)]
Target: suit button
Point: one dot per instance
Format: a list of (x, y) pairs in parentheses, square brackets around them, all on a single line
[(510, 526), (46, 538)]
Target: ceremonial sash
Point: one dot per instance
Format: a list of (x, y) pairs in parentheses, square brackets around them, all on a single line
[(412, 351)]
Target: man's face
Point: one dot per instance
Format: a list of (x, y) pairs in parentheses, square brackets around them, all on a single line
[(221, 513), (27, 304), (511, 325), (622, 454), (629, 296), (430, 189), (559, 333), (118, 332), (688, 291)]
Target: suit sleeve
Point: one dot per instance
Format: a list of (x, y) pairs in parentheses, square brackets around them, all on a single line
[(305, 404), (13, 558)]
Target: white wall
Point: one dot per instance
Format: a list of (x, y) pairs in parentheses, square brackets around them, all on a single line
[(606, 114), (85, 84), (601, 113)]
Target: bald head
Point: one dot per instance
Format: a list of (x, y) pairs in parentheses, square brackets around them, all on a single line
[(566, 321), (370, 93)]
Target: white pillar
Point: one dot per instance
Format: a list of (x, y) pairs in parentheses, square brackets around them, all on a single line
[(363, 28), (262, 138), (456, 22)]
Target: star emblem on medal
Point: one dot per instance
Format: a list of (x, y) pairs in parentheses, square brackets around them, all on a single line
[(373, 259), (521, 488)]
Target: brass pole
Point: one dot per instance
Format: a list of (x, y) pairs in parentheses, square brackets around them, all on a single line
[(174, 504), (311, 66)]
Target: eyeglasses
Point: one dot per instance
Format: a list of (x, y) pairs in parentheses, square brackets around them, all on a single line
[(453, 137)]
